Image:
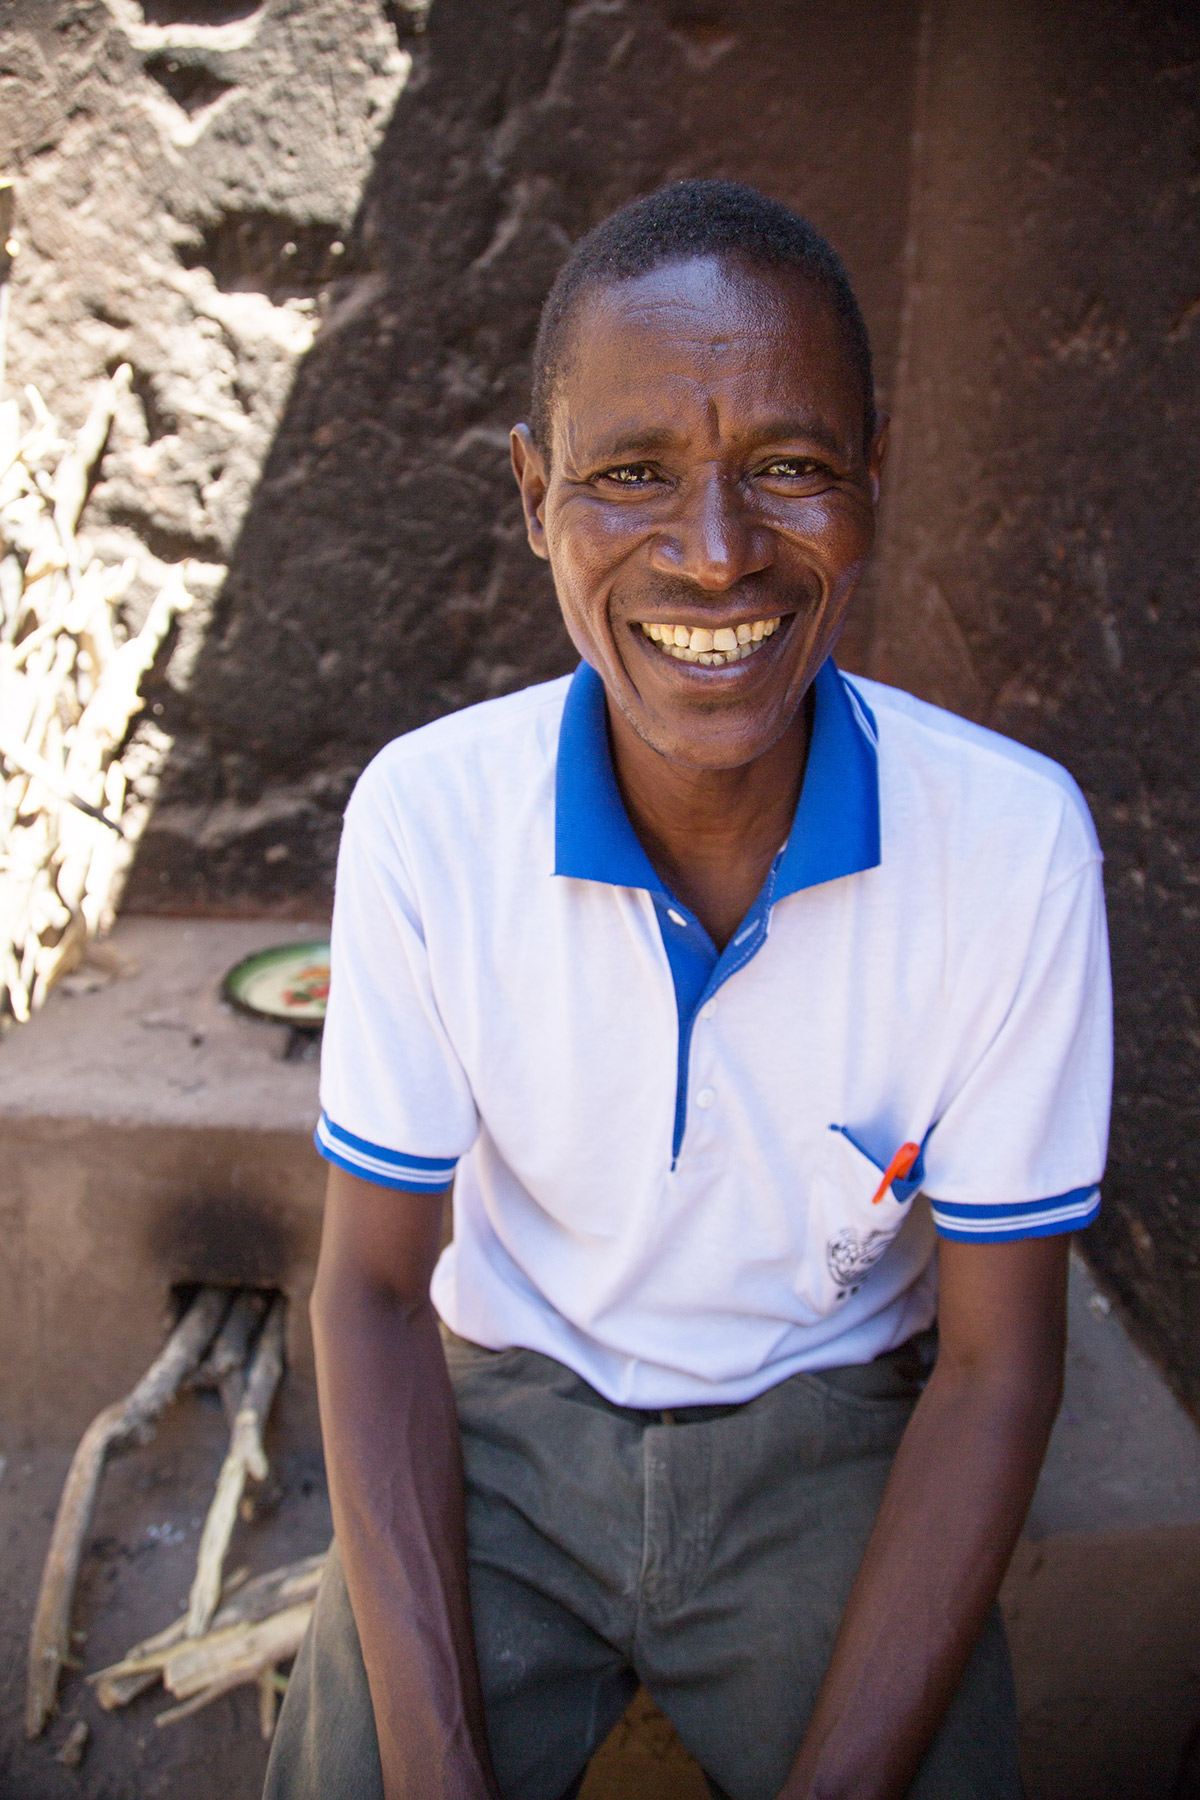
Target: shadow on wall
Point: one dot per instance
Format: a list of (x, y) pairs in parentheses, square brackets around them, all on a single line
[(381, 575)]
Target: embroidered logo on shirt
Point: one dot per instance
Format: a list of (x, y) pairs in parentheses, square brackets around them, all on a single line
[(851, 1258)]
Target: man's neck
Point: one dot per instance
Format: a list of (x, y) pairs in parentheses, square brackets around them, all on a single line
[(711, 834)]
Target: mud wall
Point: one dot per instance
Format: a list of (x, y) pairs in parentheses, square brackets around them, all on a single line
[(320, 234), (1039, 560)]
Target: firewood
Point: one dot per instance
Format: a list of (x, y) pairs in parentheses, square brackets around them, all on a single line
[(268, 1697), (111, 1430), (246, 1460), (70, 1751), (241, 1651), (208, 1667), (276, 1592), (225, 1365)]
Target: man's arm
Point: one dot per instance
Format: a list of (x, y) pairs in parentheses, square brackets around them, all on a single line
[(952, 1510), (395, 1480)]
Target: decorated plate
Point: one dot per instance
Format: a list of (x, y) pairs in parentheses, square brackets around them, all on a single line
[(289, 982)]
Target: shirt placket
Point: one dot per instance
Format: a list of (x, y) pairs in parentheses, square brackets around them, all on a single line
[(696, 965)]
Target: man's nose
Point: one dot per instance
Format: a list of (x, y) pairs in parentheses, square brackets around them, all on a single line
[(713, 538)]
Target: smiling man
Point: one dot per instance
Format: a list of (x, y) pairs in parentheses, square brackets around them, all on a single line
[(760, 1018)]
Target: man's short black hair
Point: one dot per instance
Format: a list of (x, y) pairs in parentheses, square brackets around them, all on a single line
[(674, 224)]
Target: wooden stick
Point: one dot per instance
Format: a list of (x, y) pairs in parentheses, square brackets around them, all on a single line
[(173, 1714), (130, 1418), (245, 1460), (267, 1699), (138, 1670), (238, 1654), (225, 1365)]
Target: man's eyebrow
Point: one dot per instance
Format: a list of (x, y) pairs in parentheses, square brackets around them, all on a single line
[(790, 428), (632, 442)]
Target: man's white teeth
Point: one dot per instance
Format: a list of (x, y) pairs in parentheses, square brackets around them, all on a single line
[(712, 648)]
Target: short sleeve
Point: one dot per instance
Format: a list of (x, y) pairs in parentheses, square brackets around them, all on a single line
[(1019, 1148), (396, 1106)]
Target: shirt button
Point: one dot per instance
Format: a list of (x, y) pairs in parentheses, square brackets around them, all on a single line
[(675, 918), (708, 1009), (705, 1097)]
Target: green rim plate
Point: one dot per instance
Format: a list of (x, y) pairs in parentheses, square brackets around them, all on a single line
[(289, 982)]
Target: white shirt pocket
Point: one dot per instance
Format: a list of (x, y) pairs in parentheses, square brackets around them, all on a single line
[(852, 1219)]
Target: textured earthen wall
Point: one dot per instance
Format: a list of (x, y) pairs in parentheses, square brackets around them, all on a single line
[(1040, 565)]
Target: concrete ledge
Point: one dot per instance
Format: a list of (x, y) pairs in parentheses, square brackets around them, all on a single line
[(1124, 1454), (141, 1036)]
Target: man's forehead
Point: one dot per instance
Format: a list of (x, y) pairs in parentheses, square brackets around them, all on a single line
[(708, 304), (691, 334)]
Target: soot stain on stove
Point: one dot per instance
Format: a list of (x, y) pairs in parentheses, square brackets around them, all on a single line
[(224, 1238)]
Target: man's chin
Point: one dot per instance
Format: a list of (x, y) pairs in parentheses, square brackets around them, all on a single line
[(706, 737)]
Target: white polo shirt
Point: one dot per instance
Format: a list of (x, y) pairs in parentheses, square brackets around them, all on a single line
[(667, 1161)]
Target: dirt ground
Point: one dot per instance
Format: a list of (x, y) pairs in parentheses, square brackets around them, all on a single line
[(134, 1580)]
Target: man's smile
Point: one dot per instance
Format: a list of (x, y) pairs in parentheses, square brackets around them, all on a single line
[(713, 648)]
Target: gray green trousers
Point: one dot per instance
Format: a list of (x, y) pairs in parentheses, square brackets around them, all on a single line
[(706, 1553)]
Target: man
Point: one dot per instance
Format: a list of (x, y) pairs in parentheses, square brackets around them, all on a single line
[(761, 1018)]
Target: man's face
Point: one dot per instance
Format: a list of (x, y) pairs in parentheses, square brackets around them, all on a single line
[(708, 476)]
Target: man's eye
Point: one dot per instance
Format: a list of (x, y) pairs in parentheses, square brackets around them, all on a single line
[(792, 468), (630, 474)]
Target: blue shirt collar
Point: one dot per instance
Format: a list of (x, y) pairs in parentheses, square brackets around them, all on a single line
[(835, 831)]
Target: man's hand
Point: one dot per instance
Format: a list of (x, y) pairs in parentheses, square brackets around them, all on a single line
[(952, 1510), (395, 1479)]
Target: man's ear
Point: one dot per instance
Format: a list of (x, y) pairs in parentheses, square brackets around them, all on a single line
[(530, 471), (877, 455)]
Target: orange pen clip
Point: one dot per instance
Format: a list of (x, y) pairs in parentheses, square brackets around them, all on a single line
[(897, 1169)]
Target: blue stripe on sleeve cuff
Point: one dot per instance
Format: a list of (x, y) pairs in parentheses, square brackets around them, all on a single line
[(387, 1168), (968, 1224)]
